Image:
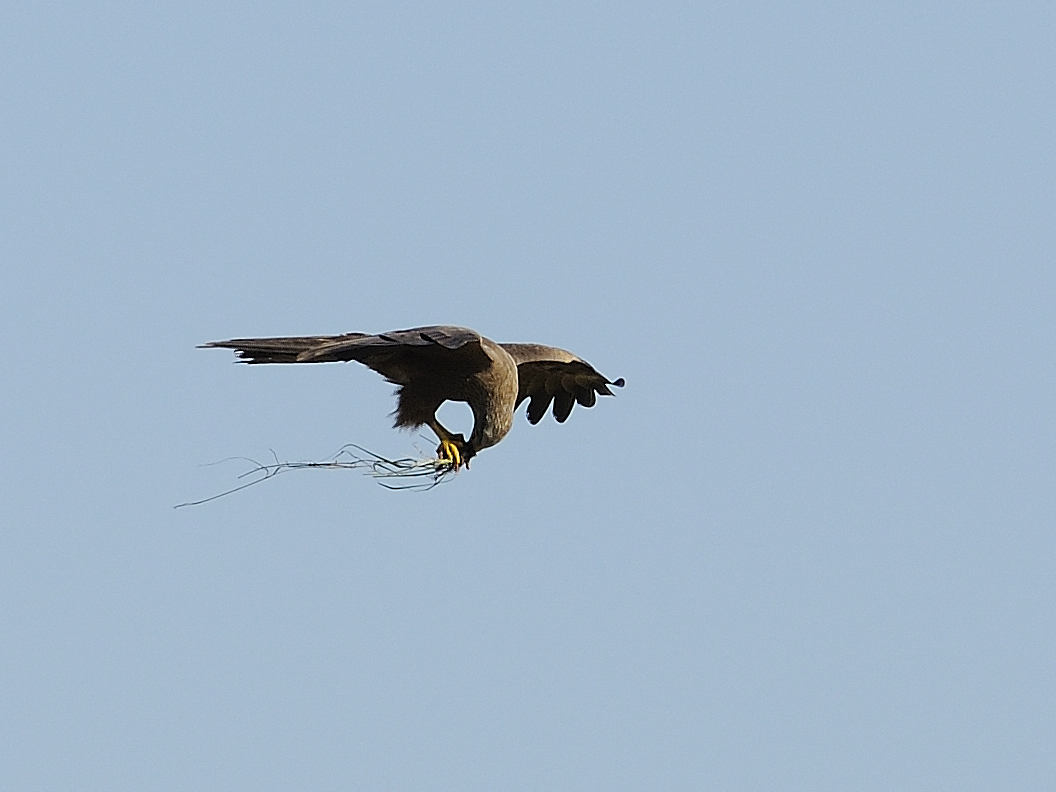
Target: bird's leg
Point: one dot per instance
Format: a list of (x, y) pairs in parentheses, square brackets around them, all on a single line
[(451, 445)]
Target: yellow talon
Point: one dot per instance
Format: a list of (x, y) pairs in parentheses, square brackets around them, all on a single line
[(449, 450)]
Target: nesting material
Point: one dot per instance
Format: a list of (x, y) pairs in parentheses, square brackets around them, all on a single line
[(408, 473)]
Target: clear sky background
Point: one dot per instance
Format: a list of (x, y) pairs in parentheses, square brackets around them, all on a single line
[(809, 546)]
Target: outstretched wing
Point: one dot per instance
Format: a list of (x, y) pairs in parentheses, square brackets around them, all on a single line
[(277, 350), (547, 374), (400, 356)]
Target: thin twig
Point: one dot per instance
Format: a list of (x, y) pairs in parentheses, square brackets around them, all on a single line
[(413, 474)]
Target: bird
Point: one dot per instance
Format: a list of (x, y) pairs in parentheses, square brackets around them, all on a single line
[(439, 363)]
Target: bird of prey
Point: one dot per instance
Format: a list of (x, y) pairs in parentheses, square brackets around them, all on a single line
[(441, 363)]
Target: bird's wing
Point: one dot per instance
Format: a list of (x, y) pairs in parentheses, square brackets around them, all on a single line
[(548, 374), (277, 350), (399, 356)]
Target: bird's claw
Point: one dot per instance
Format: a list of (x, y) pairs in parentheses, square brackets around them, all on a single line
[(451, 451)]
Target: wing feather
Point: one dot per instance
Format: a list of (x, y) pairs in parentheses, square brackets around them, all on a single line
[(563, 403), (279, 350), (552, 384), (537, 407), (586, 397), (547, 374), (400, 355)]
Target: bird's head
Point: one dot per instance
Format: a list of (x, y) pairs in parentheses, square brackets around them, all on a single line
[(469, 450)]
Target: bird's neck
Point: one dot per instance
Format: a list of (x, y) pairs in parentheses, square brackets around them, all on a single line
[(496, 398), (491, 425)]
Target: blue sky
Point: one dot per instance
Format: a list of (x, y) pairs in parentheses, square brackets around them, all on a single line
[(808, 547)]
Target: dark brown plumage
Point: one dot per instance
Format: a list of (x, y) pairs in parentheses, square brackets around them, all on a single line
[(435, 364)]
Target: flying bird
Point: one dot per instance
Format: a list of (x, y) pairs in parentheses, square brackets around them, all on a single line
[(431, 365)]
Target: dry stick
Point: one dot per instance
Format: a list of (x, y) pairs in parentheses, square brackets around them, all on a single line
[(345, 459)]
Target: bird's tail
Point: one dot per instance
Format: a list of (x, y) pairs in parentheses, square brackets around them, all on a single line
[(275, 350)]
